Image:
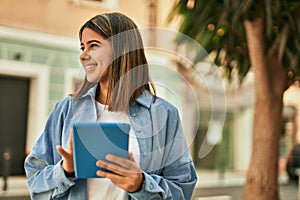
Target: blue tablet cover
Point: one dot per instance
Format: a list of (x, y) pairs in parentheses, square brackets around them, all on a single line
[(92, 141)]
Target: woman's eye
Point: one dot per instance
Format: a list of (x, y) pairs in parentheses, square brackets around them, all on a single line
[(91, 46), (94, 45)]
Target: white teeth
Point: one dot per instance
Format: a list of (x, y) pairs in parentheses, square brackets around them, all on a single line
[(90, 66)]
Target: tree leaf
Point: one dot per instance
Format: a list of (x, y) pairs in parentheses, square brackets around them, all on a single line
[(282, 27), (242, 10)]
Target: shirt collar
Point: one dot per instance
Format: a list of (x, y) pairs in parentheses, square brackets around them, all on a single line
[(91, 92), (145, 99)]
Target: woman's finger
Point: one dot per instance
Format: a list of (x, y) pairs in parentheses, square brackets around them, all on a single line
[(62, 152), (118, 169), (124, 162), (130, 156), (70, 143), (112, 167)]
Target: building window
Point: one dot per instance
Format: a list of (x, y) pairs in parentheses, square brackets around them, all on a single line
[(105, 4)]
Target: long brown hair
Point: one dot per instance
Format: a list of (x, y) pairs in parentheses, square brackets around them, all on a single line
[(129, 71)]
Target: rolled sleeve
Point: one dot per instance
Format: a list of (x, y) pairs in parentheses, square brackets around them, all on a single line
[(63, 183), (167, 186), (150, 189)]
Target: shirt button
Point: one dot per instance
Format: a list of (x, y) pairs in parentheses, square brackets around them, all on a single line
[(133, 115), (151, 186)]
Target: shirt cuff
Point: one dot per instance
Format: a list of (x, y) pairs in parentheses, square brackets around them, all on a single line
[(62, 181), (150, 189)]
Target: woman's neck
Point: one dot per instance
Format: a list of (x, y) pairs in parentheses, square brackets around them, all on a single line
[(101, 94)]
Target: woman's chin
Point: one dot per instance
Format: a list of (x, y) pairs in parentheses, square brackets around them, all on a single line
[(92, 80)]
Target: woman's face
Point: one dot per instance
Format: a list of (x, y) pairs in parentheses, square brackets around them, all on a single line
[(96, 55)]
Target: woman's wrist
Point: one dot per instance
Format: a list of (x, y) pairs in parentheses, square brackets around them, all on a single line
[(141, 184), (69, 174)]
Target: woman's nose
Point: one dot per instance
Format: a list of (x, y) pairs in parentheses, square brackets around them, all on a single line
[(84, 55)]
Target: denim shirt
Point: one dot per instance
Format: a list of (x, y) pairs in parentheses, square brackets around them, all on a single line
[(165, 159)]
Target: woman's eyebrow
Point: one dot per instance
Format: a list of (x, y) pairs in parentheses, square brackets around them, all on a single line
[(91, 41)]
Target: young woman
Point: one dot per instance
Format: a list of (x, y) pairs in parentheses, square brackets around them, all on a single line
[(116, 88)]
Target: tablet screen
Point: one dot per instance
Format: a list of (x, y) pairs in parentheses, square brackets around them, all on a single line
[(92, 141)]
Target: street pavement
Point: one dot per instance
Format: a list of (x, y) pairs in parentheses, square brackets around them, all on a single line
[(287, 192), (211, 185), (229, 186), (16, 189)]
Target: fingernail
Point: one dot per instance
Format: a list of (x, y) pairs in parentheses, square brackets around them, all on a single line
[(99, 173), (98, 163)]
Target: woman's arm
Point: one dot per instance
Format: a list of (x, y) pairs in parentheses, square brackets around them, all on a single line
[(172, 175), (172, 183), (45, 175)]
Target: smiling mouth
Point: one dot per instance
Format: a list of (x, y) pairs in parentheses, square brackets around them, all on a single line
[(90, 67)]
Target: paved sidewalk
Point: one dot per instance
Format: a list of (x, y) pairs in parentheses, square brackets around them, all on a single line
[(16, 187), (212, 185)]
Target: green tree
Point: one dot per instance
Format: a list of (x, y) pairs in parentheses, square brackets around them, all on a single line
[(261, 35)]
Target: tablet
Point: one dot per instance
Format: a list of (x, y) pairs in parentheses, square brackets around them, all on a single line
[(92, 141)]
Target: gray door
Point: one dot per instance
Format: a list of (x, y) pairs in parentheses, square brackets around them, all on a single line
[(14, 95)]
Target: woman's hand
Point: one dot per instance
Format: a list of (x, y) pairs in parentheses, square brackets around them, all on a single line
[(67, 163), (125, 173)]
